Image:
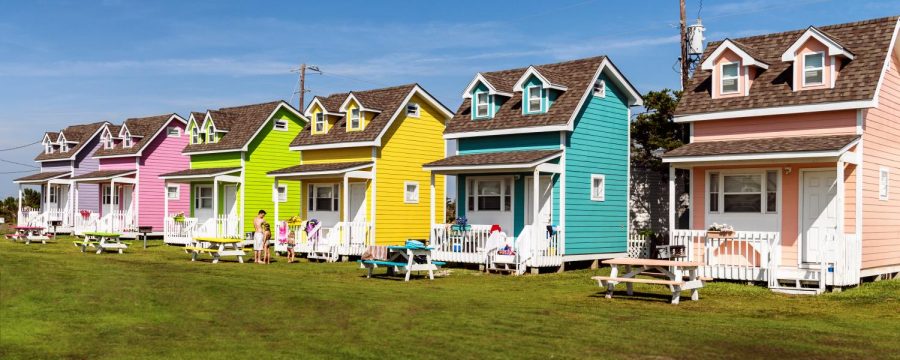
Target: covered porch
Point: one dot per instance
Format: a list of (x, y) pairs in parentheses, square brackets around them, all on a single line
[(792, 203), (340, 198), (216, 205), (496, 196), (58, 202), (118, 202)]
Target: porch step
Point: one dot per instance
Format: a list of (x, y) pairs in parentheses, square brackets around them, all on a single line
[(796, 290), (796, 274)]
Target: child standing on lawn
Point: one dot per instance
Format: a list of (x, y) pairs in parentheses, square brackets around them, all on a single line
[(259, 236)]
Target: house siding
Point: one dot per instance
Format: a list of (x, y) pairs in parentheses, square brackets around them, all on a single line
[(161, 156), (217, 160), (515, 142), (598, 145), (85, 162), (53, 166), (881, 218), (409, 143), (809, 124), (269, 151), (120, 163)]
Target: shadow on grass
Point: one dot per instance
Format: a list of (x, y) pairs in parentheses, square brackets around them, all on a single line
[(637, 295)]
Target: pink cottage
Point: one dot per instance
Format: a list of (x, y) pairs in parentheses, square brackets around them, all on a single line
[(132, 156), (795, 143)]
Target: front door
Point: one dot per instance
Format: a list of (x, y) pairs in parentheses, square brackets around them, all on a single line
[(818, 213), (358, 202), (127, 197), (229, 201), (109, 199), (203, 202), (545, 208)]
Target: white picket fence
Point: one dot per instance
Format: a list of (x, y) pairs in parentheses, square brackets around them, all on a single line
[(178, 232), (745, 255), (845, 259), (84, 224), (638, 246), (28, 218), (184, 232), (470, 246)]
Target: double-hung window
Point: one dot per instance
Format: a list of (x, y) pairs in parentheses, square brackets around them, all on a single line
[(481, 104), (751, 192), (173, 192), (320, 123), (534, 99), (195, 135), (127, 142), (814, 68), (598, 187), (323, 197), (730, 78), (490, 195), (204, 197), (354, 119)]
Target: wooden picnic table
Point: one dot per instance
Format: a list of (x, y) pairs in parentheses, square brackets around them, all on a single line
[(102, 241), (217, 247), (403, 258), (29, 234), (678, 276)]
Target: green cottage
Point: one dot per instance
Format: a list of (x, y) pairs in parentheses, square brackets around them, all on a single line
[(231, 151)]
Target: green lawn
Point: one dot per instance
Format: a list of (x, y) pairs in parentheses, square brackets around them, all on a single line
[(56, 302)]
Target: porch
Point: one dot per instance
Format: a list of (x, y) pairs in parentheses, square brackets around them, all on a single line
[(57, 202), (339, 197), (794, 204), (216, 205), (118, 203), (496, 191)]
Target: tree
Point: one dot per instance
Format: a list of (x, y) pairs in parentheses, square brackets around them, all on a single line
[(654, 131), (31, 198)]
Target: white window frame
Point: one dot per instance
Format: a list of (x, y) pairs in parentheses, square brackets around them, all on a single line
[(195, 135), (106, 139), (472, 186), (177, 192), (764, 191), (355, 117), (540, 99), (821, 69), (53, 194), (108, 195), (319, 121), (280, 125), (415, 113), (198, 197), (48, 147), (335, 197), (406, 198), (737, 78), (211, 137), (127, 142), (64, 147), (884, 183), (278, 195), (173, 131), (599, 89), (602, 194), (476, 104)]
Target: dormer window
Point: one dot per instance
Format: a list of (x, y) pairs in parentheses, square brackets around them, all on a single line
[(64, 147), (195, 135), (48, 147), (355, 122), (127, 142), (319, 123), (730, 78), (481, 104), (814, 69), (211, 137), (534, 99), (600, 88), (106, 140)]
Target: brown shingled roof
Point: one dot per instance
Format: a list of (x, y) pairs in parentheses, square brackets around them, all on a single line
[(103, 174), (81, 134), (495, 158), (200, 172), (869, 41), (241, 124), (144, 128), (759, 146), (576, 75), (42, 176), (312, 168), (386, 100)]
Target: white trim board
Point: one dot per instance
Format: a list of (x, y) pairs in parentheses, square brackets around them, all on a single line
[(812, 32), (746, 59), (545, 83), (467, 93), (780, 110), (762, 156), (492, 167), (144, 144)]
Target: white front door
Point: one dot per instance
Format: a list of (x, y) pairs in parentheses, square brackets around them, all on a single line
[(545, 207), (127, 197), (229, 206), (358, 202), (109, 199), (818, 213), (203, 202)]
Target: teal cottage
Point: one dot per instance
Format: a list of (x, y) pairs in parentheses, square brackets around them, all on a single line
[(565, 124)]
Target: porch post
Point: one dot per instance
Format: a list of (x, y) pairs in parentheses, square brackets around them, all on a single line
[(216, 231), (19, 217), (166, 199), (275, 200), (535, 200), (671, 203), (70, 218), (433, 210), (345, 204), (113, 192), (838, 242)]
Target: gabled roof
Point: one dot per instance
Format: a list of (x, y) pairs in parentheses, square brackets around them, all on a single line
[(858, 79), (43, 176), (359, 101), (330, 104), (576, 75), (243, 123), (80, 135), (145, 129), (546, 76), (50, 135), (389, 100), (835, 46), (748, 55), (489, 80)]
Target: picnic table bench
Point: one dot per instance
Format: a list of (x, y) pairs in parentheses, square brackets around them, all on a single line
[(217, 248), (29, 234), (678, 276), (403, 259), (102, 241)]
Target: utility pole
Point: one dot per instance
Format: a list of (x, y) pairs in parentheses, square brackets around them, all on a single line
[(302, 91), (685, 64)]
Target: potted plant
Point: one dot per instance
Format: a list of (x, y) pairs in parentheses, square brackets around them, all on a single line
[(85, 214), (720, 230), (178, 218)]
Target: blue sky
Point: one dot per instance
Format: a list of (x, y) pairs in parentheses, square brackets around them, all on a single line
[(65, 62)]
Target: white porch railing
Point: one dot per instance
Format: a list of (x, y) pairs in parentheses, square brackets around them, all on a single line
[(221, 226), (28, 218), (354, 238), (118, 222), (89, 223), (178, 232), (638, 246), (845, 259), (470, 246), (746, 255)]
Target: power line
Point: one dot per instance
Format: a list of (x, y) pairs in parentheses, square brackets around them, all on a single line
[(22, 146), (353, 78), (15, 172), (18, 163)]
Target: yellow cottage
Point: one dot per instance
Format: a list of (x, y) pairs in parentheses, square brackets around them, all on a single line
[(360, 165)]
